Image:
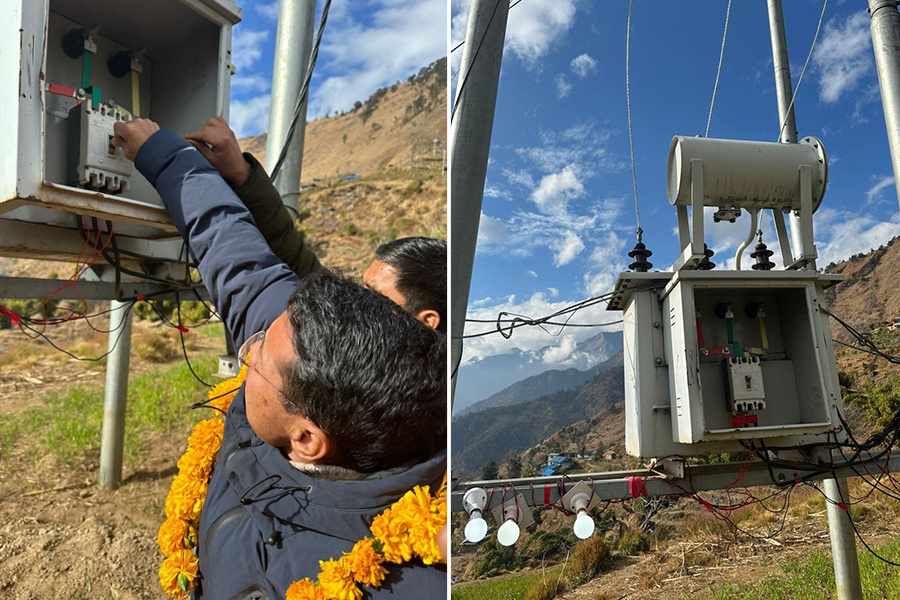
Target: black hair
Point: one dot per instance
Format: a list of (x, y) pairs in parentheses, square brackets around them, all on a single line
[(421, 266), (367, 373)]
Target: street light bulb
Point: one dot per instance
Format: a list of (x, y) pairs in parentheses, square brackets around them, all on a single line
[(508, 534), (584, 525), (476, 528)]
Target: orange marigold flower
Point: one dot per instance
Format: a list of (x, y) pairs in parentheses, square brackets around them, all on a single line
[(196, 465), (392, 533), (173, 536), (336, 581), (178, 573), (304, 590), (206, 438), (185, 497), (225, 392), (365, 563)]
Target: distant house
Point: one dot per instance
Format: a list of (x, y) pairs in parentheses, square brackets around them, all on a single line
[(610, 455), (557, 465)]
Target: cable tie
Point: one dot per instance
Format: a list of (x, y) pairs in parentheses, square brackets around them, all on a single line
[(140, 298), (798, 481), (842, 506), (705, 504), (182, 329)]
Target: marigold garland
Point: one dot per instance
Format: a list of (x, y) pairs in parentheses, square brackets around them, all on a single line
[(407, 529)]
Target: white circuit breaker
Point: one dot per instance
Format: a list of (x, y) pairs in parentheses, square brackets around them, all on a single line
[(95, 162), (746, 391)]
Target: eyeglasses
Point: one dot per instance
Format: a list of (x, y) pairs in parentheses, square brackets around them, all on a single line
[(244, 358)]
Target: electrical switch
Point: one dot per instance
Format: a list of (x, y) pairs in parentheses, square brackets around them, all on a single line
[(745, 384), (95, 163)]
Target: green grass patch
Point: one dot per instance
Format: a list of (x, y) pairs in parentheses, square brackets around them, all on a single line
[(506, 588), (813, 579), (69, 424)]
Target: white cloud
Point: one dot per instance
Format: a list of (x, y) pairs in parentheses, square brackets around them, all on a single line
[(583, 144), (583, 65), (491, 191), (533, 28), (873, 194), (557, 355), (268, 10), (246, 47), (491, 230), (254, 82), (521, 178), (531, 273), (250, 117), (532, 339), (563, 87), (841, 234), (843, 57), (555, 190), (356, 51), (567, 248), (554, 293)]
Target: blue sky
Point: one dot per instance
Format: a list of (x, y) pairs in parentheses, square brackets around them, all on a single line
[(367, 44), (558, 214)]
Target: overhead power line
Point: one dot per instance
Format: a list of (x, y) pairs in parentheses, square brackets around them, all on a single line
[(304, 92), (812, 47), (637, 210), (712, 102)]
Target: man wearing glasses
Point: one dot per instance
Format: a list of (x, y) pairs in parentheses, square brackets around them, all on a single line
[(343, 409)]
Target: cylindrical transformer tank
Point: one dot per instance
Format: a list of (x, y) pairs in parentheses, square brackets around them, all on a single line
[(746, 174)]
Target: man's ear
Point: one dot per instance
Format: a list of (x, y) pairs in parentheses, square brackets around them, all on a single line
[(430, 317), (309, 443)]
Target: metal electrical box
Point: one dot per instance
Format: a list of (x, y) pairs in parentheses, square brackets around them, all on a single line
[(712, 358), (69, 69)]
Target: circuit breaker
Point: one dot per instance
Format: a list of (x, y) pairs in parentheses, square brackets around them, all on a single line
[(714, 359), (94, 162), (72, 68)]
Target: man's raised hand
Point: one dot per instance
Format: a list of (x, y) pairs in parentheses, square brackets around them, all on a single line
[(131, 135), (217, 143)]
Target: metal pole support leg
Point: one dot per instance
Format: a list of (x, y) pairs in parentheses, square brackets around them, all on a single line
[(112, 444), (843, 543)]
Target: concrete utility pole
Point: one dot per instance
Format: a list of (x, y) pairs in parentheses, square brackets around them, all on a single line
[(112, 444), (885, 28), (293, 45), (788, 135), (472, 123), (843, 542)]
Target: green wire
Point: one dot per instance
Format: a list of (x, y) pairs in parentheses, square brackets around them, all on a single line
[(735, 345), (87, 71)]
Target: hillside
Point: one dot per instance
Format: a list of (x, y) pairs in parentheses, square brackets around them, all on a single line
[(395, 127), (479, 380), (490, 434)]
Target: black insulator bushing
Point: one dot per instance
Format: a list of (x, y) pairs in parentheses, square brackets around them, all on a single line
[(73, 43), (119, 64)]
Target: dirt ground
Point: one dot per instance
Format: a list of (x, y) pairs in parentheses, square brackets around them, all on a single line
[(60, 535)]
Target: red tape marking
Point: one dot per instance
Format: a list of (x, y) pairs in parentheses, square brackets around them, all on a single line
[(546, 495), (744, 420), (182, 328), (637, 487)]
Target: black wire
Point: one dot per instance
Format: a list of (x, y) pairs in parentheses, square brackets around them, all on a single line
[(462, 43), (304, 91), (120, 329), (462, 84), (183, 347)]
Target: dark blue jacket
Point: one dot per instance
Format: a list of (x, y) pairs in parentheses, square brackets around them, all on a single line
[(288, 521)]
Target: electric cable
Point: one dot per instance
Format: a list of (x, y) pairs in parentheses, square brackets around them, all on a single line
[(712, 102), (637, 209), (304, 90), (812, 47), (181, 330), (463, 43), (462, 84)]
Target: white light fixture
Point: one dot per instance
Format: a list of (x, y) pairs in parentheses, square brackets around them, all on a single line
[(514, 515), (579, 500), (474, 501), (508, 534)]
